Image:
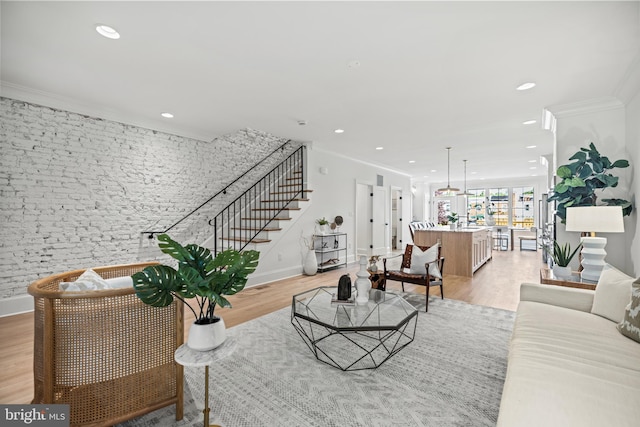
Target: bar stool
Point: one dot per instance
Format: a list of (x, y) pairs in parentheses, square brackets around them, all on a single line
[(501, 238), (533, 238)]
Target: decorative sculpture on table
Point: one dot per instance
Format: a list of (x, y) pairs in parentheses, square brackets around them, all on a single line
[(363, 284), (344, 287), (372, 263)]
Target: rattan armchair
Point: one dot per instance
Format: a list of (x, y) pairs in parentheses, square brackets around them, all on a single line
[(106, 354)]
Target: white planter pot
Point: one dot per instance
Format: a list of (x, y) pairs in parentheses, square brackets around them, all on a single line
[(452, 226), (562, 272), (207, 337), (310, 266)]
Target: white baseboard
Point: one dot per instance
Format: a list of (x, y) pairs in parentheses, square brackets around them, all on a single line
[(273, 275), (16, 305)]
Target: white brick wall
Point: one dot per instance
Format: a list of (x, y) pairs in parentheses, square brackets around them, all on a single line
[(77, 191)]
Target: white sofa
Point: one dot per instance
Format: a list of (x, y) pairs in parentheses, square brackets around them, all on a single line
[(568, 366)]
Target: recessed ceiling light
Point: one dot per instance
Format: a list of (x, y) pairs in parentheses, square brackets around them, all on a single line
[(529, 122), (412, 161), (473, 173), (379, 148), (107, 31), (533, 167), (167, 115), (339, 131), (526, 86), (533, 161), (534, 174), (531, 146), (433, 170)]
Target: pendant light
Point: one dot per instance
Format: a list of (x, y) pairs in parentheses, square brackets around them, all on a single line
[(465, 193), (448, 188)]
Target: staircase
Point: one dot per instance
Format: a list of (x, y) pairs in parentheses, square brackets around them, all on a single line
[(253, 216), (265, 209)]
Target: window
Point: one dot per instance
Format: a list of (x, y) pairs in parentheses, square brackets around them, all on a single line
[(522, 206), (499, 205), (476, 207)]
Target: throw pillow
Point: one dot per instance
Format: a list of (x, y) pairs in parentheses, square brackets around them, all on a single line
[(88, 281), (630, 325), (613, 293), (419, 258)]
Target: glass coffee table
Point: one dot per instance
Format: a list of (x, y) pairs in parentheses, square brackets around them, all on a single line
[(353, 336)]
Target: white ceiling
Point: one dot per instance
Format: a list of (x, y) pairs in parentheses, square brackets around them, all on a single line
[(431, 74)]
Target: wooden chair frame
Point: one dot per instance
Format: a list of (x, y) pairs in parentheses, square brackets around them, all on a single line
[(417, 279)]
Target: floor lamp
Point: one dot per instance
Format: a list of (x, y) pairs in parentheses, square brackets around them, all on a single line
[(592, 220)]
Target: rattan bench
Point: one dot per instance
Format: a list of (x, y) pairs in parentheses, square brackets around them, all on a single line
[(106, 354)]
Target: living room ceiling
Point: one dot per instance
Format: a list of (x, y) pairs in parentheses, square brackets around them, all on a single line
[(411, 77)]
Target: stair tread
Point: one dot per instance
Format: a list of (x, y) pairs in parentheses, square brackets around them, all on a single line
[(275, 209), (292, 200), (256, 228), (264, 218), (289, 192), (242, 239)]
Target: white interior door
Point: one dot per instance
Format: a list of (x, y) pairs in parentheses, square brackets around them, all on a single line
[(380, 221), (363, 219)]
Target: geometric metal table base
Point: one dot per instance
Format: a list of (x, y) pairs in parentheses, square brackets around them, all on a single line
[(353, 337)]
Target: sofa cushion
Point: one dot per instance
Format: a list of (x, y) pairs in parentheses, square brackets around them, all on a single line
[(613, 293), (569, 368), (630, 325)]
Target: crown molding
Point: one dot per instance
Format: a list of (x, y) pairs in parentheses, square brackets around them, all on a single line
[(596, 105)]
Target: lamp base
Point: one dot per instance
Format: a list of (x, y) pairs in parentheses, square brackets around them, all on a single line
[(593, 255)]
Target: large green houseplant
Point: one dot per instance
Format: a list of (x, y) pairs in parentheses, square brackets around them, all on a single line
[(200, 277), (581, 179)]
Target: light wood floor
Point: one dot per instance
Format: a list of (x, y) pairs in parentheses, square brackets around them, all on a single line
[(496, 284)]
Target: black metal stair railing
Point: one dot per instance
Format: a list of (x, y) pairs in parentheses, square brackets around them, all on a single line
[(260, 208), (254, 212)]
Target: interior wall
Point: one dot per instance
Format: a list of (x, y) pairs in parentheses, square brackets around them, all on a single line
[(77, 191), (332, 178), (602, 122), (632, 225)]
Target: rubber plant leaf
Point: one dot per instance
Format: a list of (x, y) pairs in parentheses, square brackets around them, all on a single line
[(564, 172), (620, 164)]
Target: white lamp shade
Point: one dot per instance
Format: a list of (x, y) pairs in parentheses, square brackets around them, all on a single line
[(600, 219)]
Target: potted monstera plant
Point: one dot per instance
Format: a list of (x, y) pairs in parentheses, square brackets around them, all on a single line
[(201, 282)]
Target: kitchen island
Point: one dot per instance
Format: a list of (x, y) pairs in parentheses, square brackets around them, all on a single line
[(465, 250)]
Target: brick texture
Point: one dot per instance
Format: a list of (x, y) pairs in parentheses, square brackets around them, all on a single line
[(77, 191)]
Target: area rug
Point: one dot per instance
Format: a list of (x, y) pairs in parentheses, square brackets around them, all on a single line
[(451, 375)]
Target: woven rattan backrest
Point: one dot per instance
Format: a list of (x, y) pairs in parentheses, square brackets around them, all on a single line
[(105, 353)]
